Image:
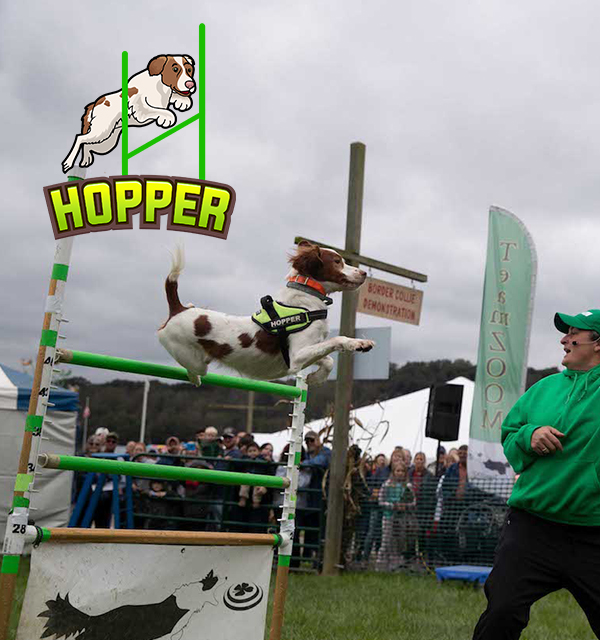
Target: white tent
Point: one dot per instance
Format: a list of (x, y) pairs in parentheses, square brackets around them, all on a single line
[(51, 506), (398, 421)]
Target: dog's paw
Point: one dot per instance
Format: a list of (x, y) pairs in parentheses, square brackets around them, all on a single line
[(316, 378), (362, 345), (87, 159), (182, 105), (194, 378), (166, 120), (66, 166)]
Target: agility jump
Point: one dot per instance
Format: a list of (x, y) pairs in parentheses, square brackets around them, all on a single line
[(19, 532)]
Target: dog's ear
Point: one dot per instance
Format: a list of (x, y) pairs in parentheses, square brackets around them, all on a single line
[(156, 65), (190, 60), (307, 261)]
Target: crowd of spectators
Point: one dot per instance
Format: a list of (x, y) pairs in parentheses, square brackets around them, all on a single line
[(398, 511), (409, 509)]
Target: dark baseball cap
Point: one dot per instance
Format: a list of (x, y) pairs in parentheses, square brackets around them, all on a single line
[(587, 320), (229, 431)]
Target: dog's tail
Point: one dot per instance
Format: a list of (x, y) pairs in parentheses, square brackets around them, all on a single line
[(177, 266)]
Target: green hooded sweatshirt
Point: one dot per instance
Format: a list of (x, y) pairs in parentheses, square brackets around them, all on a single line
[(563, 486)]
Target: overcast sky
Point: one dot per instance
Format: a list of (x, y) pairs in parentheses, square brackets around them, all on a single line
[(461, 105)]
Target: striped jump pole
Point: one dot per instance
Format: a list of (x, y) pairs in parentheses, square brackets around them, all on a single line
[(39, 535), (14, 537)]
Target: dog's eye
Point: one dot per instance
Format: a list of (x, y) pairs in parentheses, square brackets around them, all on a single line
[(175, 69)]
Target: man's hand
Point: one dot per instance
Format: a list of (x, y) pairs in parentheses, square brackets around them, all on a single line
[(545, 440)]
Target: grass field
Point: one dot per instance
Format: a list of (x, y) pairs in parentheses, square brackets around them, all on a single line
[(397, 606), (369, 606)]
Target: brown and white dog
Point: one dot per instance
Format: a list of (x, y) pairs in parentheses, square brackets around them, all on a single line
[(168, 80), (195, 337)]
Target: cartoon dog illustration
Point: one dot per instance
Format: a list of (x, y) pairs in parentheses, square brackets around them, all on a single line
[(132, 622), (168, 80)]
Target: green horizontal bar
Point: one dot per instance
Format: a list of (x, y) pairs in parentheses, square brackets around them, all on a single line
[(46, 534), (10, 564), (164, 472), (99, 361), (59, 271)]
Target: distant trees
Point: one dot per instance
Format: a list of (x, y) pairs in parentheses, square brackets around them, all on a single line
[(180, 409)]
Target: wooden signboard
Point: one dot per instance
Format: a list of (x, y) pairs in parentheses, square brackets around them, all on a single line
[(391, 301)]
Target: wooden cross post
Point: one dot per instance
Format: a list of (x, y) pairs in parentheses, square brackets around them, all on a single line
[(345, 371)]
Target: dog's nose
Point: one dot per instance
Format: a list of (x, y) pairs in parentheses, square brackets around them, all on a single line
[(362, 273), (189, 84)]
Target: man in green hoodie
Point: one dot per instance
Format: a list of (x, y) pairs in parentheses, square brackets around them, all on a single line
[(551, 536)]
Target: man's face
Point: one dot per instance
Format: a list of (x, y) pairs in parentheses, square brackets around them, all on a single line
[(463, 454), (173, 446), (312, 442), (229, 441), (110, 445), (581, 356)]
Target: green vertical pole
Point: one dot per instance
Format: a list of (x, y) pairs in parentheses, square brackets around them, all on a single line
[(202, 102), (124, 114)]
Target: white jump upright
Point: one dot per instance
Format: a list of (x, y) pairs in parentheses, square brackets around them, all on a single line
[(14, 538)]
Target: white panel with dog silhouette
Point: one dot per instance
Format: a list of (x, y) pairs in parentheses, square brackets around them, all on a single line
[(146, 592)]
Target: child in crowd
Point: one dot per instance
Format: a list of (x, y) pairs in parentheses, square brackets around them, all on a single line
[(399, 526), (252, 453), (157, 489)]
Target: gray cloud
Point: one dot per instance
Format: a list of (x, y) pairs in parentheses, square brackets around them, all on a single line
[(460, 106)]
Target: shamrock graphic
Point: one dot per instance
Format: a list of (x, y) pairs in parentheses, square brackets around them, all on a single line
[(241, 589)]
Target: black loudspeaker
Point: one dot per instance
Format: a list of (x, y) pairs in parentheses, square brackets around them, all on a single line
[(443, 412)]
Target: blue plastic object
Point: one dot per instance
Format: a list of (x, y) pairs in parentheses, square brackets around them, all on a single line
[(463, 572)]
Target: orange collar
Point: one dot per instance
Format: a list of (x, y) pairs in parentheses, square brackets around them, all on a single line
[(308, 282)]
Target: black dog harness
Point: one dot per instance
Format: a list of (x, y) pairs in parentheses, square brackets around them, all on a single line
[(281, 320)]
